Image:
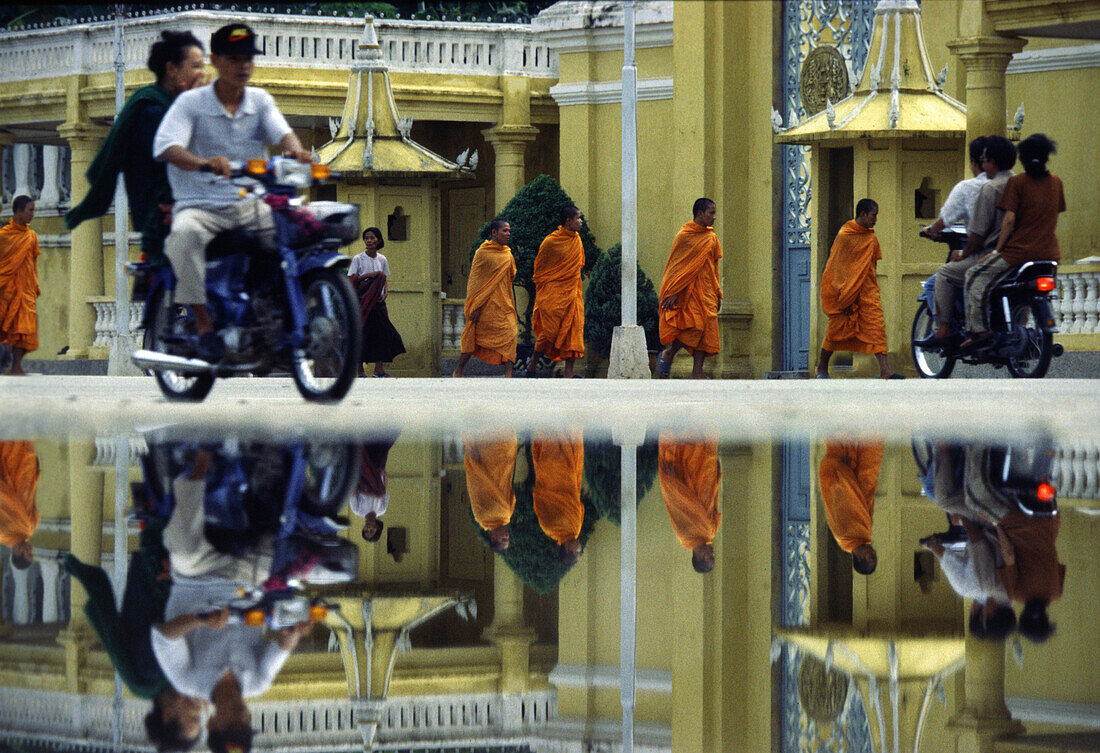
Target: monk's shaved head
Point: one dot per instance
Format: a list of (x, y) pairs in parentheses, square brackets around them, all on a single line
[(497, 224), (866, 206), (19, 203), (700, 206), (567, 213)]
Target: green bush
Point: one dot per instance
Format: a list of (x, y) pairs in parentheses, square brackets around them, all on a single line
[(603, 304), (602, 474), (533, 215)]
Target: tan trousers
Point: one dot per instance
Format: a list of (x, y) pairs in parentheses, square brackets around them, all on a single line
[(192, 231), (950, 278), (980, 281)]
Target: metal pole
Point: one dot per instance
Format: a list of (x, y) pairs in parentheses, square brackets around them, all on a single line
[(628, 499), (119, 352), (630, 171), (122, 495)]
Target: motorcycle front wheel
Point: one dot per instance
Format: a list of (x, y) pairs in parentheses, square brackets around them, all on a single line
[(170, 322), (326, 370), (1038, 348), (930, 364)]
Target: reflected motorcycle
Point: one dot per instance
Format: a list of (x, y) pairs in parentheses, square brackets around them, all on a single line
[(1020, 318), (290, 308)]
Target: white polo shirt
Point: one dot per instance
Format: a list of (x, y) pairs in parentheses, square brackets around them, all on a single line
[(199, 123)]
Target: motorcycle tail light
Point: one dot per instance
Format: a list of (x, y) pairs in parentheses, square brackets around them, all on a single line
[(256, 166), (318, 612), (1045, 492), (320, 172), (254, 618), (1044, 284)]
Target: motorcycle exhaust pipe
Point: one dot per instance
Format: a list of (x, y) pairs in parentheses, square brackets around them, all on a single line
[(151, 359)]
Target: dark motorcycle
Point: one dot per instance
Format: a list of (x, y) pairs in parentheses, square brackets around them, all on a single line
[(1020, 318), (290, 308)]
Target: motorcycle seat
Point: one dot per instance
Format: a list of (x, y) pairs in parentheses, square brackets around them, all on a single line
[(1032, 269), (235, 241)]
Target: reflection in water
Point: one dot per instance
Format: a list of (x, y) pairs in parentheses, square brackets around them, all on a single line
[(371, 495), (559, 467), (18, 507), (691, 480), (849, 476), (490, 466)]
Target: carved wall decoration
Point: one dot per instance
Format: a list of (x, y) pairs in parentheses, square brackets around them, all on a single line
[(824, 77)]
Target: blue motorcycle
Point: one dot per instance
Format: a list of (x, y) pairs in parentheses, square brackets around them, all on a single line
[(288, 309)]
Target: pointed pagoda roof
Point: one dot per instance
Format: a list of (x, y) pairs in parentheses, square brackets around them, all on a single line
[(373, 140), (897, 97)]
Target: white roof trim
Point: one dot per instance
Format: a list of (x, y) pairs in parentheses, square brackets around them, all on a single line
[(1056, 59), (608, 92)]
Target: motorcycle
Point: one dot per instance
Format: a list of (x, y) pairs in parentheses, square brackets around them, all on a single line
[(1020, 318), (290, 308)]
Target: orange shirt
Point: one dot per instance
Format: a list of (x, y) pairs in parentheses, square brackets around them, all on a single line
[(692, 274), (18, 487), (558, 317), (558, 465), (489, 469), (19, 286), (850, 294), (848, 476), (691, 479), (492, 338)]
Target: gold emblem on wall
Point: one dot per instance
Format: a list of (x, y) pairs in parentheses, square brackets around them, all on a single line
[(824, 76)]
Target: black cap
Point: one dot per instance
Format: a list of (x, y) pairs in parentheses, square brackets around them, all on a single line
[(234, 39)]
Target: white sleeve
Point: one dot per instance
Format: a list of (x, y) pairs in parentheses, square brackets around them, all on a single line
[(270, 658), (385, 266), (275, 125), (955, 209), (355, 267), (176, 128), (174, 658)]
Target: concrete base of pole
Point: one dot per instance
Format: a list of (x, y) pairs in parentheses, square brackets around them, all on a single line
[(119, 362), (629, 357)]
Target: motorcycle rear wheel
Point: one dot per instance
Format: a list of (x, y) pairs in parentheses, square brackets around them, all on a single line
[(1040, 344), (930, 364), (332, 472), (166, 318), (327, 370)]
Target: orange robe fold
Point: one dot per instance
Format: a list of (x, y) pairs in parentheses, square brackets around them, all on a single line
[(848, 475), (492, 338), (850, 294), (18, 487), (19, 286), (692, 273), (691, 478), (489, 469), (558, 318), (559, 465)]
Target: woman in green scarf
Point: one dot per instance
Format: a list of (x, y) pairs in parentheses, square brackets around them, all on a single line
[(177, 62)]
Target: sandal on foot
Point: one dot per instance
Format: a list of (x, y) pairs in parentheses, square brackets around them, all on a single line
[(664, 368)]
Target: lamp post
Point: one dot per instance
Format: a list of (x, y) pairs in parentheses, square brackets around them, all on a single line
[(118, 361)]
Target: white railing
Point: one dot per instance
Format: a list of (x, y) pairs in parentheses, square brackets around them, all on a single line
[(1075, 471), (107, 447), (287, 41), (39, 171), (84, 722), (38, 594), (454, 321), (1078, 307), (106, 317)]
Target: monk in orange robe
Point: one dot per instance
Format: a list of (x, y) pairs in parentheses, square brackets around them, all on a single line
[(848, 475), (491, 322), (19, 283), (850, 295), (558, 318), (690, 292), (559, 464), (489, 469), (691, 478), (18, 510)]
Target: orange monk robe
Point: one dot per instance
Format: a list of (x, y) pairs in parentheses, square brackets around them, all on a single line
[(559, 465), (558, 318), (489, 469), (18, 487), (18, 286), (692, 273), (492, 338), (849, 475), (850, 295), (690, 480)]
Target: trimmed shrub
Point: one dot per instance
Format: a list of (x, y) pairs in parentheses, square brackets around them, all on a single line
[(603, 304), (602, 474)]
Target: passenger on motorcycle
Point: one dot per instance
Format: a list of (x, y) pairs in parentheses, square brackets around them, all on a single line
[(960, 202), (204, 130), (1031, 203), (997, 159)]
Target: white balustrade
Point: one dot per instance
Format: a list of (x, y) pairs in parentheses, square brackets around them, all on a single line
[(454, 321), (1075, 471), (106, 447), (21, 157), (26, 608), (1078, 311), (287, 41), (106, 318), (50, 196)]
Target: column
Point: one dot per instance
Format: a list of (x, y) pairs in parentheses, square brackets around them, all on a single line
[(985, 59), (514, 639), (86, 255), (85, 533), (984, 716), (510, 147)]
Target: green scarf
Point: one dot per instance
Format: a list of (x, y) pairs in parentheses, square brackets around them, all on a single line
[(103, 172)]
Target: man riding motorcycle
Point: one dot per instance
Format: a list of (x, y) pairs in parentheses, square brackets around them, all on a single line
[(204, 130)]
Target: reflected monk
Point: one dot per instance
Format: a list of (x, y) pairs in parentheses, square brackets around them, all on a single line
[(848, 475), (490, 466), (690, 292), (18, 510), (850, 295), (691, 478), (559, 465), (491, 321), (19, 283), (558, 318)]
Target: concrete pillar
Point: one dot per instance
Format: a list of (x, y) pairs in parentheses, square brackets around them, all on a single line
[(984, 716), (86, 257), (985, 59), (510, 147), (86, 515)]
